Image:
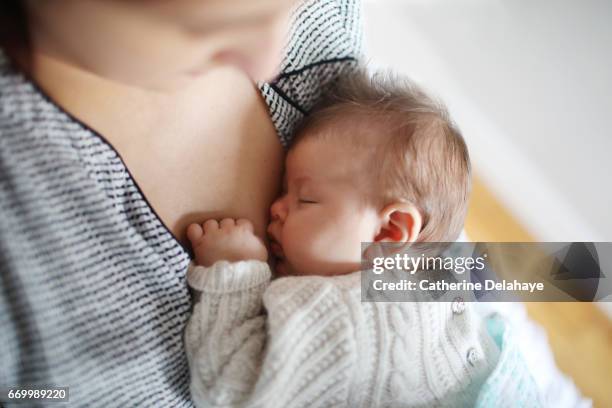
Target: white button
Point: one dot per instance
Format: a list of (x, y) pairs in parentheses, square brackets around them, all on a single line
[(458, 305), (472, 356)]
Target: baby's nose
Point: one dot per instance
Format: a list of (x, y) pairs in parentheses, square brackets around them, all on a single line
[(278, 210)]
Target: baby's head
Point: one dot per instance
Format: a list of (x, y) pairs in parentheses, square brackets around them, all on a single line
[(378, 160)]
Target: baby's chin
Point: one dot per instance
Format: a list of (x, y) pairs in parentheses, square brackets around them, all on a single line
[(283, 268), (279, 268)]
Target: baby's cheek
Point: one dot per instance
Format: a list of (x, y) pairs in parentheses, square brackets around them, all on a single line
[(304, 255), (316, 246), (301, 254), (329, 246)]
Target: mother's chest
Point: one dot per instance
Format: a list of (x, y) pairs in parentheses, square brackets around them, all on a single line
[(222, 159)]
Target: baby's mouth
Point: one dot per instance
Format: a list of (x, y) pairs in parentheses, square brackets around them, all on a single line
[(277, 250), (279, 259)]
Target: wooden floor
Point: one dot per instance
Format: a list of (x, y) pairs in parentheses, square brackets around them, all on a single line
[(580, 334)]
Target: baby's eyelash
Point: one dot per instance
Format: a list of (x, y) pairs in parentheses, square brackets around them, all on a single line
[(307, 201)]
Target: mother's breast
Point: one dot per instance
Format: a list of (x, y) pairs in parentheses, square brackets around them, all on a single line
[(213, 153)]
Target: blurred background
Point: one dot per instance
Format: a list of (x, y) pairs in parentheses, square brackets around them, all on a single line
[(530, 85)]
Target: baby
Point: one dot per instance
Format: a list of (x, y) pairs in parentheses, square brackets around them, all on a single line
[(378, 161)]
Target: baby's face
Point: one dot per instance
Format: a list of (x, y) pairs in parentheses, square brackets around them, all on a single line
[(319, 222)]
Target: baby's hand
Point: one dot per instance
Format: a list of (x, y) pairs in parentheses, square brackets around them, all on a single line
[(229, 240)]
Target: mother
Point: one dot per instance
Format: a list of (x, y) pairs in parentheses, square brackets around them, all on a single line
[(121, 122)]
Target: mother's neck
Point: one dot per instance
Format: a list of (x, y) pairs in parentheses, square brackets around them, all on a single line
[(98, 101)]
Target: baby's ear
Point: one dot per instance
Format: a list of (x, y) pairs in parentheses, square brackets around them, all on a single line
[(399, 222)]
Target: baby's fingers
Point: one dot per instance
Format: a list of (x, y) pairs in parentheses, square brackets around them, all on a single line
[(210, 225), (227, 223), (244, 223), (194, 233)]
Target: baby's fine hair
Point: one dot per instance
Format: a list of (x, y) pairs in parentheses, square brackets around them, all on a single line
[(418, 153)]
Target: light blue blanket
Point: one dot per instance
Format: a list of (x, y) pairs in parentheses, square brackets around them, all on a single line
[(510, 384)]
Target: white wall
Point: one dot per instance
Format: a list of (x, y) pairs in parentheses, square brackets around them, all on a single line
[(530, 85)]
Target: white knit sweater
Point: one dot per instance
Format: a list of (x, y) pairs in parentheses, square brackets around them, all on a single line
[(310, 342)]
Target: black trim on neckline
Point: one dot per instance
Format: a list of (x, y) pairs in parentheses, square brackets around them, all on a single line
[(313, 65), (290, 101)]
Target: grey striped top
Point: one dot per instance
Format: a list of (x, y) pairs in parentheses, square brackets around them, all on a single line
[(92, 284)]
